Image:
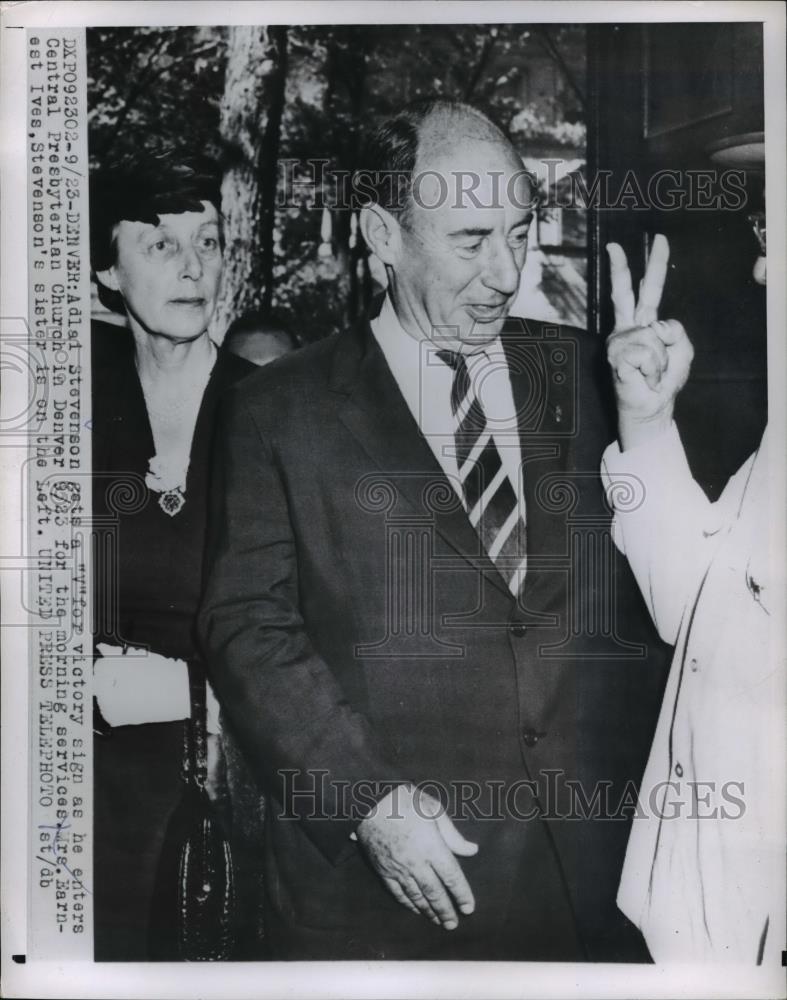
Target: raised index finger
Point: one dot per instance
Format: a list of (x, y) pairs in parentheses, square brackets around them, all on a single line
[(622, 294), (653, 283)]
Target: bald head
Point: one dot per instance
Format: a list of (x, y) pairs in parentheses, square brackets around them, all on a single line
[(421, 136), (450, 126)]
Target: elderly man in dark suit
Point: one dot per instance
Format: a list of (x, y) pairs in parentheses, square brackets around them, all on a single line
[(413, 615)]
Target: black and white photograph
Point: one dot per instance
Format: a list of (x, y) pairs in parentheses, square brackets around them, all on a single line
[(393, 459)]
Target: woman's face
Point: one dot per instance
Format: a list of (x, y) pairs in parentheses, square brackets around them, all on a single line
[(169, 274)]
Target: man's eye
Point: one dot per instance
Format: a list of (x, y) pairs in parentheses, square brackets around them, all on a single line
[(519, 239), (472, 248)]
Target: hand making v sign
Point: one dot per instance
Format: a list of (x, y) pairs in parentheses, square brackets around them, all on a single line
[(650, 358)]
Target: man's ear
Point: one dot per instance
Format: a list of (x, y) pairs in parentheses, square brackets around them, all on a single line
[(382, 233), (108, 279)]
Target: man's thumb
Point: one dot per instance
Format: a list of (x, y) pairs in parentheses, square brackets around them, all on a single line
[(454, 839)]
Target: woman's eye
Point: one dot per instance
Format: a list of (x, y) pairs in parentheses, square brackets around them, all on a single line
[(162, 246), (209, 243)]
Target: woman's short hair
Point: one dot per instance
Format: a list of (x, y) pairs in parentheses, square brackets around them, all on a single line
[(141, 189)]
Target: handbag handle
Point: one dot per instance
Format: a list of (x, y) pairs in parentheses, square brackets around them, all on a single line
[(195, 742)]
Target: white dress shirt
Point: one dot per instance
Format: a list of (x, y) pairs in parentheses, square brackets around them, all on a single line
[(707, 884), (425, 382)]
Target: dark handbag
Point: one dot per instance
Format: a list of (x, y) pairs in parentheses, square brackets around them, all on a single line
[(193, 915)]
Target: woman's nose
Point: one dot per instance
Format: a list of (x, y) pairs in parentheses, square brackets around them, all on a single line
[(191, 264)]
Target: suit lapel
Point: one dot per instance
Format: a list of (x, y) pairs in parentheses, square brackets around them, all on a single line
[(546, 410), (376, 414)]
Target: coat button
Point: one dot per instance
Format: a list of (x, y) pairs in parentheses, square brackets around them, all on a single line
[(531, 736), (679, 769), (518, 629)]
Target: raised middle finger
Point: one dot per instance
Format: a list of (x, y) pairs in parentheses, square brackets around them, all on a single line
[(652, 285)]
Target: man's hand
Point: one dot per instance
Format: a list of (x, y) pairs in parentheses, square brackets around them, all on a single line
[(411, 843), (650, 360)]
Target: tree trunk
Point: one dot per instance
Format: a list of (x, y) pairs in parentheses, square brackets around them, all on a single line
[(251, 111)]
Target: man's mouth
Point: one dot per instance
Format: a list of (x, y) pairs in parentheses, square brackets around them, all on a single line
[(485, 313)]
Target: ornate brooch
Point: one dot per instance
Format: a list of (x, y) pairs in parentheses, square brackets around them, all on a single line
[(169, 482)]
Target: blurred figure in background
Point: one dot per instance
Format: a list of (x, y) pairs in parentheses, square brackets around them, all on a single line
[(257, 340)]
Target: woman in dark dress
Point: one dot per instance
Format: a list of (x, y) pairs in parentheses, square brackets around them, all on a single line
[(156, 249)]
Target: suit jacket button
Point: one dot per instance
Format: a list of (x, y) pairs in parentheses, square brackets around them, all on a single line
[(531, 736), (518, 629)]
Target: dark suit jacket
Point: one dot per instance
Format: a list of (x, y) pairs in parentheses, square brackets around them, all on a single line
[(357, 634)]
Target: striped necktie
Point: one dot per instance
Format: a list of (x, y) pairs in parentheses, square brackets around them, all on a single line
[(490, 499)]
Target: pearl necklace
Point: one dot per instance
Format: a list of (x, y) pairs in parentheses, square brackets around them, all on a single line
[(172, 423)]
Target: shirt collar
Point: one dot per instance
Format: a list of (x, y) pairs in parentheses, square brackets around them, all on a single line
[(409, 351)]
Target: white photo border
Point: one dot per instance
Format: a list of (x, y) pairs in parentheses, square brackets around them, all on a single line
[(342, 979)]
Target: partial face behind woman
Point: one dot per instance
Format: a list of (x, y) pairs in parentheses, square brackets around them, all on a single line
[(168, 274)]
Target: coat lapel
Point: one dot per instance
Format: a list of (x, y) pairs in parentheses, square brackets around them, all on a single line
[(120, 425), (544, 382), (376, 414)]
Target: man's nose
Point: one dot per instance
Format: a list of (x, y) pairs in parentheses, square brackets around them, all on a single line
[(502, 270), (191, 263)]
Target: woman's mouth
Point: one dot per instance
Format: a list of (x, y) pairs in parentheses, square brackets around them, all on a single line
[(194, 301)]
